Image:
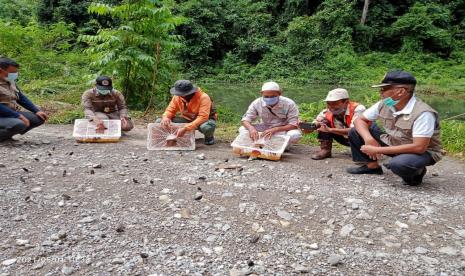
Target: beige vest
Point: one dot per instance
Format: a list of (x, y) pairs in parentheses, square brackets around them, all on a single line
[(399, 128), (8, 94)]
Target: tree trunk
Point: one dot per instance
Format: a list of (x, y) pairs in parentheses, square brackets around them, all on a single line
[(365, 12)]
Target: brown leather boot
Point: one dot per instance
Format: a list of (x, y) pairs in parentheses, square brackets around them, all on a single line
[(325, 150)]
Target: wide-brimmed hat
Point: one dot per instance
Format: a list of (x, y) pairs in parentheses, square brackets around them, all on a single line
[(336, 95), (104, 83), (397, 77), (183, 88)]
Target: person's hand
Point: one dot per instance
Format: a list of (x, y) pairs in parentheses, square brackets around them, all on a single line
[(100, 127), (124, 122), (165, 122), (268, 133), (324, 128), (25, 120), (42, 115), (253, 134), (181, 131), (371, 151)]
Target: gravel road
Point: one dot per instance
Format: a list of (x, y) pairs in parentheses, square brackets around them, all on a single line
[(118, 209)]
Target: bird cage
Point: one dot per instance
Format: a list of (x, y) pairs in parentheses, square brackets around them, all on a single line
[(270, 148), (164, 138), (85, 131)]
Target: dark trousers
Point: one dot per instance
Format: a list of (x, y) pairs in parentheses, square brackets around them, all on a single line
[(325, 136), (12, 126), (406, 165)]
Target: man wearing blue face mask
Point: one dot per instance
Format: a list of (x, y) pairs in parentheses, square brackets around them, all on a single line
[(103, 103), (278, 115), (12, 120), (412, 132)]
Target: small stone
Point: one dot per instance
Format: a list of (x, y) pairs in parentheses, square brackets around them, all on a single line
[(185, 213), (36, 190), (346, 230), (254, 238), (120, 228), (301, 269), (401, 225), (207, 250), (448, 250), (335, 259), (21, 242), (180, 252), (421, 250), (314, 246), (363, 216), (87, 220), (164, 198), (144, 255), (201, 156), (284, 215), (65, 197), (117, 261), (9, 262), (97, 166), (67, 270), (198, 196), (435, 174), (218, 249), (284, 223), (460, 232)]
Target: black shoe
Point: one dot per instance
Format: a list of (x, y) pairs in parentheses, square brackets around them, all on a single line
[(417, 179), (365, 170), (209, 141)]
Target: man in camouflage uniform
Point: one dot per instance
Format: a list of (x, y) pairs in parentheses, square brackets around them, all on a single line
[(103, 103)]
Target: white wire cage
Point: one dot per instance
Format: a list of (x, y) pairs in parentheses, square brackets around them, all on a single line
[(164, 138), (266, 148), (86, 131)]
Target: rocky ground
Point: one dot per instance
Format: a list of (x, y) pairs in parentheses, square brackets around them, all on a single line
[(118, 209)]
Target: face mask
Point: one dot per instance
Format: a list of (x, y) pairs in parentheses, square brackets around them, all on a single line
[(103, 92), (12, 77), (271, 101), (338, 111), (389, 102)]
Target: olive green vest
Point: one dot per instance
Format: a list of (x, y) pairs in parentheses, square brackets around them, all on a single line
[(9, 94), (399, 129)]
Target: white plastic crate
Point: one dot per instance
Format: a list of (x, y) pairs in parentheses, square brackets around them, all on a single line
[(160, 138), (85, 131), (264, 148)]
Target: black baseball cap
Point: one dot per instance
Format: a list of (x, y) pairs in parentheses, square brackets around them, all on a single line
[(397, 77), (104, 83)]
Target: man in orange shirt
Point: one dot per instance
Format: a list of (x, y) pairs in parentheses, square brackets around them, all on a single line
[(196, 110)]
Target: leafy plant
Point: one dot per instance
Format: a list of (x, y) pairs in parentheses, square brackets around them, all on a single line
[(138, 53)]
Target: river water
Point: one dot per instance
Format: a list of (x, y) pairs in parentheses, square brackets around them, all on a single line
[(237, 97)]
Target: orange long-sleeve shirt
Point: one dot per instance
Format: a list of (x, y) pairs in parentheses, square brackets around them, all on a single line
[(197, 110)]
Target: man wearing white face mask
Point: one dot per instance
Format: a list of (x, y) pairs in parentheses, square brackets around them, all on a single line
[(278, 114), (412, 132), (103, 103), (335, 121), (12, 120)]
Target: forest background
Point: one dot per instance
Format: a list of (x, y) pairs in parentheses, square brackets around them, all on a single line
[(230, 47)]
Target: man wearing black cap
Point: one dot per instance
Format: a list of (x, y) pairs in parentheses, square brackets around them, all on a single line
[(103, 103), (411, 135), (196, 109)]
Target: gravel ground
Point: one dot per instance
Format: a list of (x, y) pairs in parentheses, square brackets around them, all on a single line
[(118, 209)]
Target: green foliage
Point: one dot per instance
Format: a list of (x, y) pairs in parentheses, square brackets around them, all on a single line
[(452, 133), (19, 11), (425, 27), (137, 53)]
